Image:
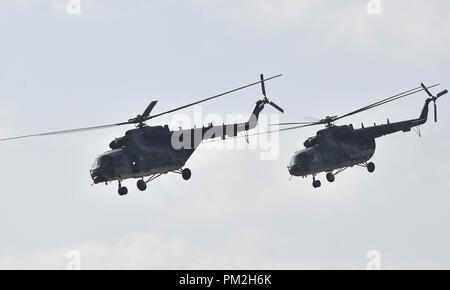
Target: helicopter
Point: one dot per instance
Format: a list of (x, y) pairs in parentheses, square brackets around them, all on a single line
[(147, 152), (337, 148)]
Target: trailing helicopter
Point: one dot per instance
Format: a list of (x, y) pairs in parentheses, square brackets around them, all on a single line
[(151, 151), (336, 148)]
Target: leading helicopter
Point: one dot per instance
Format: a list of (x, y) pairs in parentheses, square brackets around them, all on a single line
[(336, 148), (151, 151)]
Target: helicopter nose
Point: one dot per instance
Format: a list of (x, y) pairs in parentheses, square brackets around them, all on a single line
[(295, 169), (97, 177)]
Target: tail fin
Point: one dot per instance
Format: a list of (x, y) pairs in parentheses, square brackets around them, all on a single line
[(424, 114), (253, 121)]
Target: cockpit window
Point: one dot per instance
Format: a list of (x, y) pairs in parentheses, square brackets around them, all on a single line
[(103, 161), (96, 163), (106, 161)]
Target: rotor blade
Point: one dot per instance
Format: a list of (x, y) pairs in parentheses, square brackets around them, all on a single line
[(426, 90), (293, 123), (149, 109), (269, 132), (385, 101), (292, 128), (276, 107), (263, 86), (435, 112), (210, 98), (282, 130), (65, 131), (266, 132), (441, 94)]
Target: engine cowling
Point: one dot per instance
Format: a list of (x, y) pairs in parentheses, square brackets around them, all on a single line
[(116, 144), (310, 142)]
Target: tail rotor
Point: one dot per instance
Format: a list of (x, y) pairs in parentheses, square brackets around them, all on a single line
[(266, 100), (434, 99)]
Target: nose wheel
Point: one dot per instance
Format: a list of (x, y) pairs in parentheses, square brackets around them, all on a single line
[(122, 190), (316, 183), (371, 167)]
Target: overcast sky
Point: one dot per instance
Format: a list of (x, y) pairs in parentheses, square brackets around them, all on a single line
[(60, 71)]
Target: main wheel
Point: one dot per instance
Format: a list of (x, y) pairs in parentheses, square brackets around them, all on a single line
[(186, 173), (371, 167), (317, 184), (330, 177), (123, 191), (141, 185)]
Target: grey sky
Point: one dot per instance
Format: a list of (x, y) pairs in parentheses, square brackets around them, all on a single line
[(105, 65)]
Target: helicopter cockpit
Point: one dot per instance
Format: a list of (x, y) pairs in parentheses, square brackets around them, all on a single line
[(103, 162), (302, 160), (104, 166)]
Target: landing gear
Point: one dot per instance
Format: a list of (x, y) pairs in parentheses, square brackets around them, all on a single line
[(186, 174), (141, 185), (371, 167), (330, 177), (122, 190), (316, 183)]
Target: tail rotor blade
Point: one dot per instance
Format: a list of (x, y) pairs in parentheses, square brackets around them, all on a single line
[(435, 112), (441, 94), (276, 107), (426, 90), (263, 86)]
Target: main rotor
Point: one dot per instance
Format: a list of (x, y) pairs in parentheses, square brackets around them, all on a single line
[(139, 120), (330, 120)]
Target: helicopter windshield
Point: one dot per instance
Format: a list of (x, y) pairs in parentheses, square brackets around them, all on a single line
[(303, 157), (103, 161), (96, 163)]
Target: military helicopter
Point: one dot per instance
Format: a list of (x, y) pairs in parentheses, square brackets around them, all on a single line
[(336, 148), (151, 151)]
